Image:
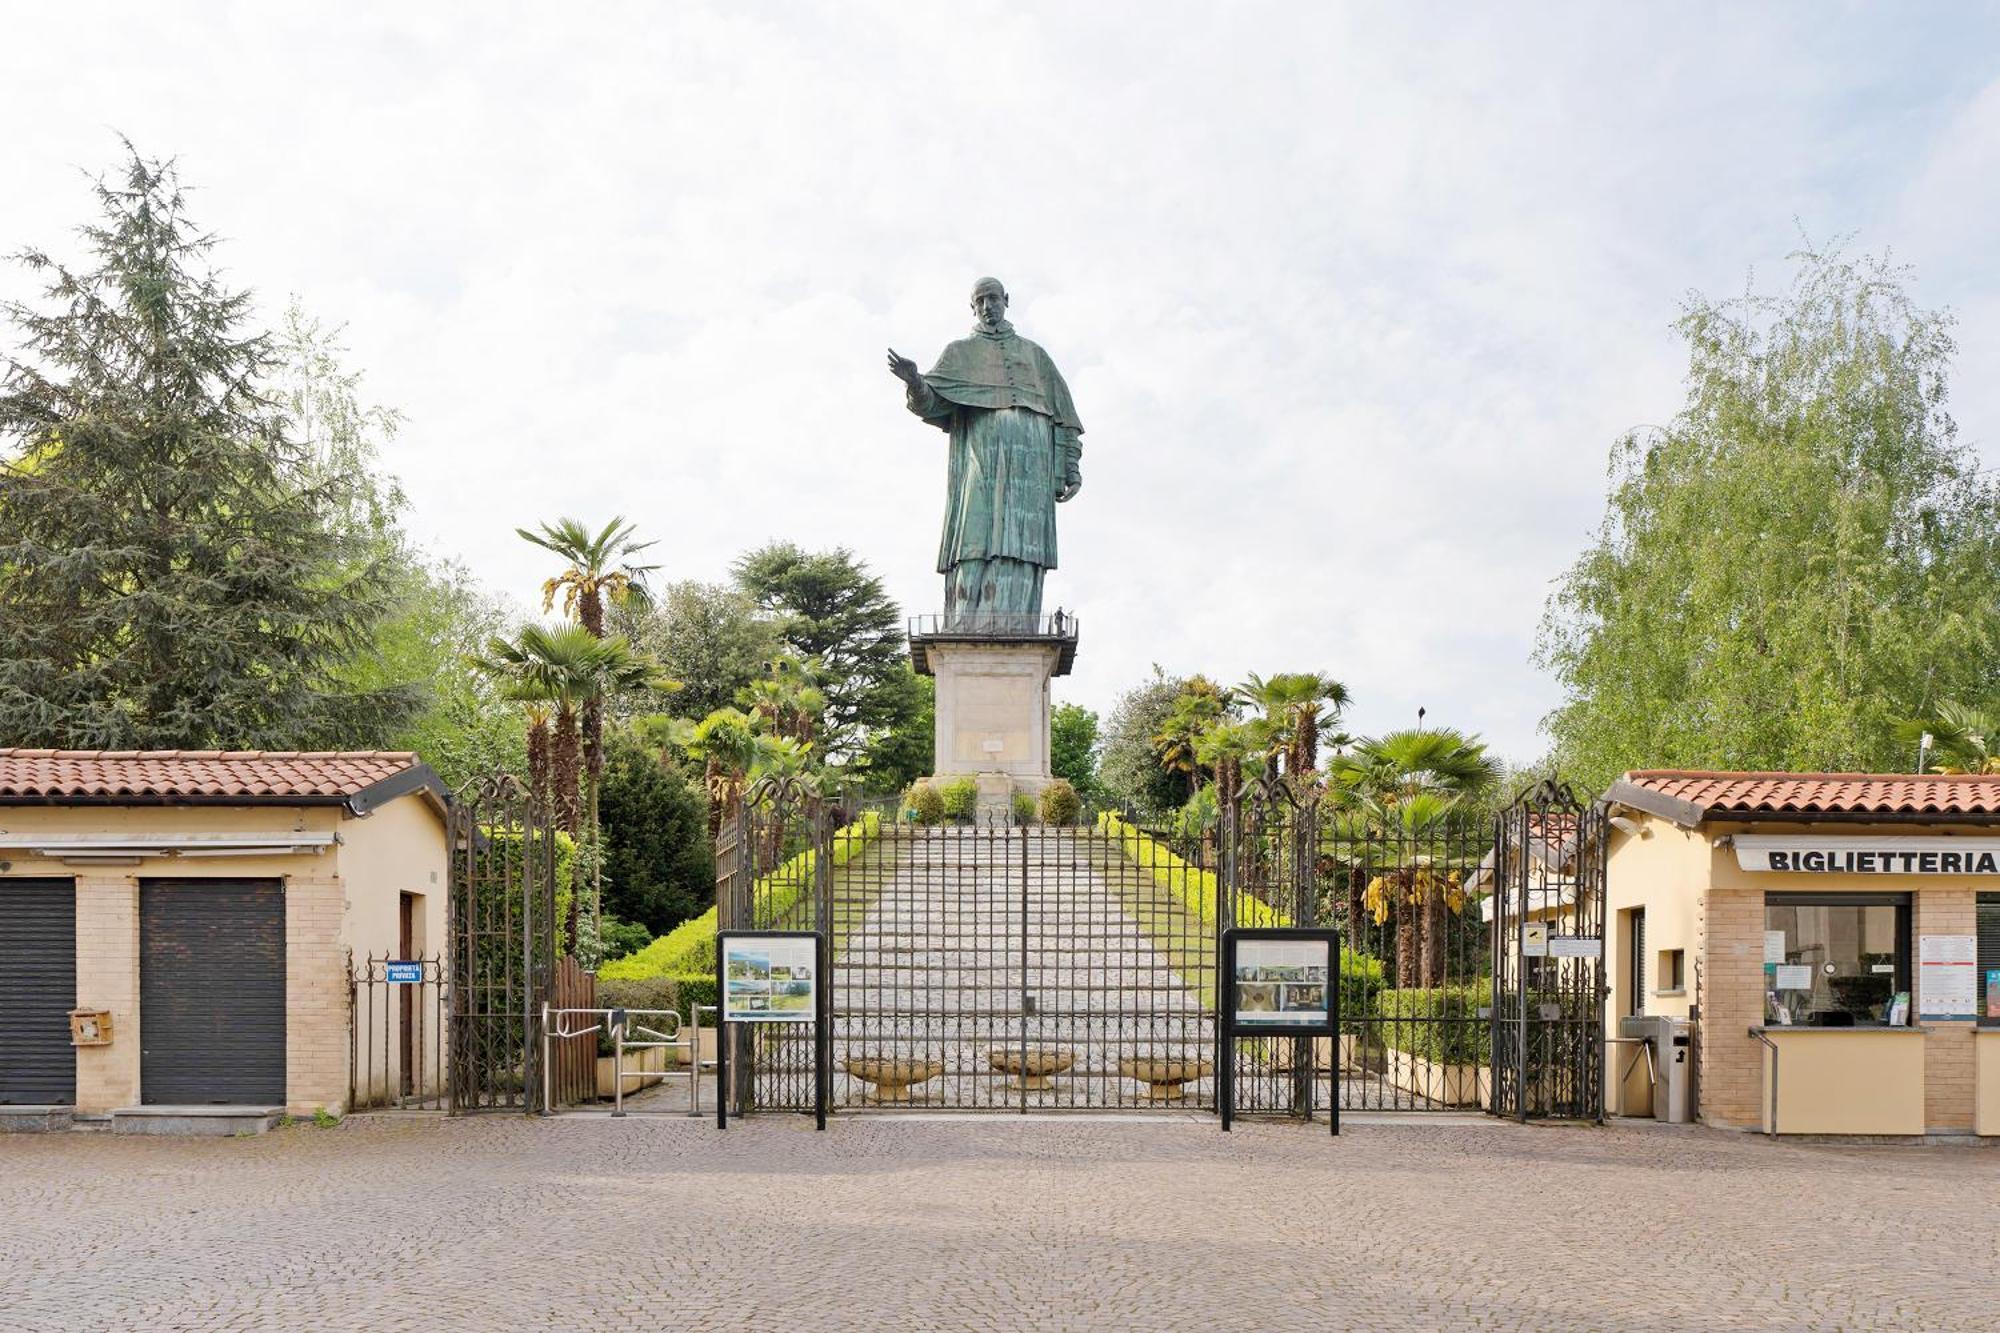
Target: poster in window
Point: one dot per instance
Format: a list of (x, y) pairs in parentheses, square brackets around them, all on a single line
[(1282, 984), (769, 978)]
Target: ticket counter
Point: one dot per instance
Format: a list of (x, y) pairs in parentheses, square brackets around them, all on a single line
[(1833, 939)]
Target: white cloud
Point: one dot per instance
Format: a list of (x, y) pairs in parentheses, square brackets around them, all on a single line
[(1353, 302)]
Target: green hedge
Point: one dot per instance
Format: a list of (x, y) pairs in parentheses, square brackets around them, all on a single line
[(1443, 1023), (1193, 886), (686, 954), (1360, 974), (678, 993)]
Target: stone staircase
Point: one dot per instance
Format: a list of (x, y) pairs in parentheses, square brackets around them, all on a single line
[(977, 942)]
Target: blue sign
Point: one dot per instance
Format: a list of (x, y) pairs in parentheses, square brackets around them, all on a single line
[(403, 973)]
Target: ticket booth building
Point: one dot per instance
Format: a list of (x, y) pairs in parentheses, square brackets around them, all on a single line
[(1836, 937), (176, 926)]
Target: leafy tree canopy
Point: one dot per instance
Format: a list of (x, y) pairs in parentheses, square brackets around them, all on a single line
[(659, 868), (1802, 558), (1131, 768), (827, 607), (707, 635), (1073, 747), (179, 569)]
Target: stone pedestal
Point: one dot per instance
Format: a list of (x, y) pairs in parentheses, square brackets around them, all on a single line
[(993, 706)]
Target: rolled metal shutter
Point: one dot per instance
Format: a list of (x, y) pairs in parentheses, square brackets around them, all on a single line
[(211, 992), (1989, 955), (37, 991)]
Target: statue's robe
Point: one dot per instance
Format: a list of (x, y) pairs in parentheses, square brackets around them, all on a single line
[(1014, 434)]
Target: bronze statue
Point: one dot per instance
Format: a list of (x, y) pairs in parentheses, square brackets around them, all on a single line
[(1014, 457)]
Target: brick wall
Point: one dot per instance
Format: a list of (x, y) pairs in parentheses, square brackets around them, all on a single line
[(1948, 1067), (1730, 925), (107, 977), (316, 996)]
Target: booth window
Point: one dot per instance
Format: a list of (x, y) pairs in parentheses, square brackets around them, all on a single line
[(1843, 959), (1989, 959)]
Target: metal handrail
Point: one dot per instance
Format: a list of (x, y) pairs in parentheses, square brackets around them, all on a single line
[(995, 625), (686, 1042), (1773, 1131)]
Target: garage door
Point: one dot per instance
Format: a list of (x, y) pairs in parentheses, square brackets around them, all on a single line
[(211, 992), (37, 991)]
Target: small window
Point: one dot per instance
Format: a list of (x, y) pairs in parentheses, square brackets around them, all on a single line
[(1673, 970), (1836, 960), (1636, 961)]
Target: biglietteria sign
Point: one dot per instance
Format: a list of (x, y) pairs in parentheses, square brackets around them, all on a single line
[(1814, 855)]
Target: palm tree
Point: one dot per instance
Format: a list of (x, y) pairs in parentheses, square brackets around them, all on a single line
[(564, 670), (1200, 706), (787, 698), (1399, 786), (726, 743), (600, 571), (1301, 705), (1966, 739)]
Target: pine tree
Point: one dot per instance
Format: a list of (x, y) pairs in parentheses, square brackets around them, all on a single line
[(172, 569)]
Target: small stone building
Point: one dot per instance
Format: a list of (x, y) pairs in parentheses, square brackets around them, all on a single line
[(1840, 933), (176, 926)]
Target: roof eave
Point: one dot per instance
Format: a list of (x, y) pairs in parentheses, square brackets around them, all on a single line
[(1647, 801), (418, 778)]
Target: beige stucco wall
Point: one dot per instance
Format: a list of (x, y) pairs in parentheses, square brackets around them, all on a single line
[(1697, 897), (1845, 1080), (345, 895), (398, 849), (1658, 869), (1986, 1081)]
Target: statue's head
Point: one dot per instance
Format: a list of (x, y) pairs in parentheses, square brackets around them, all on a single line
[(989, 302)]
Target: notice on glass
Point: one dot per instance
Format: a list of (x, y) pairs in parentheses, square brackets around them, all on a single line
[(1282, 983), (1774, 946), (769, 979), (1794, 976), (1947, 976)]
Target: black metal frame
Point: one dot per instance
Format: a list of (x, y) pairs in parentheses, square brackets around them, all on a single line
[(1298, 1038), (1548, 1047), (822, 1042), (502, 931), (380, 1013)]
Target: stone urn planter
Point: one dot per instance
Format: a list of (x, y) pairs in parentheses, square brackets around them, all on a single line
[(1166, 1077), (892, 1076), (1034, 1068)]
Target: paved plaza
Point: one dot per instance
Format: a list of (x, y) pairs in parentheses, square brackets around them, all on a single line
[(1050, 1222)]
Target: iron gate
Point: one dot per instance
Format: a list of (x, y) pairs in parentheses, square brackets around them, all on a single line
[(1548, 866), (502, 928), (977, 967)]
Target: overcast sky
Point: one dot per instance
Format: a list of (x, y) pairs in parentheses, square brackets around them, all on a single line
[(1353, 301)]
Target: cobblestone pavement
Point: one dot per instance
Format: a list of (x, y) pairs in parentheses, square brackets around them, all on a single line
[(1002, 1222)]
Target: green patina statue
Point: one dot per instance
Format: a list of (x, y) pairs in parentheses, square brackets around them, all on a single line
[(1014, 457)]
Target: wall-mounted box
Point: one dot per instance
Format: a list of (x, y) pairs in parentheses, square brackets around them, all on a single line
[(90, 1027)]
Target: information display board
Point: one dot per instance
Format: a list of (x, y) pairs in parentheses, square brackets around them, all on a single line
[(770, 977), (1281, 983)]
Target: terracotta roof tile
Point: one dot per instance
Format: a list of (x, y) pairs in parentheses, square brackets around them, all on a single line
[(1723, 794), (183, 774)]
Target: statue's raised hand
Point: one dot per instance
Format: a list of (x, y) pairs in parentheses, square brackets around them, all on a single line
[(902, 368)]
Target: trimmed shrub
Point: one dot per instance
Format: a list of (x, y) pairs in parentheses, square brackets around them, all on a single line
[(1437, 1023), (687, 952), (1060, 805), (923, 803), (619, 938), (961, 798), (1024, 808)]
